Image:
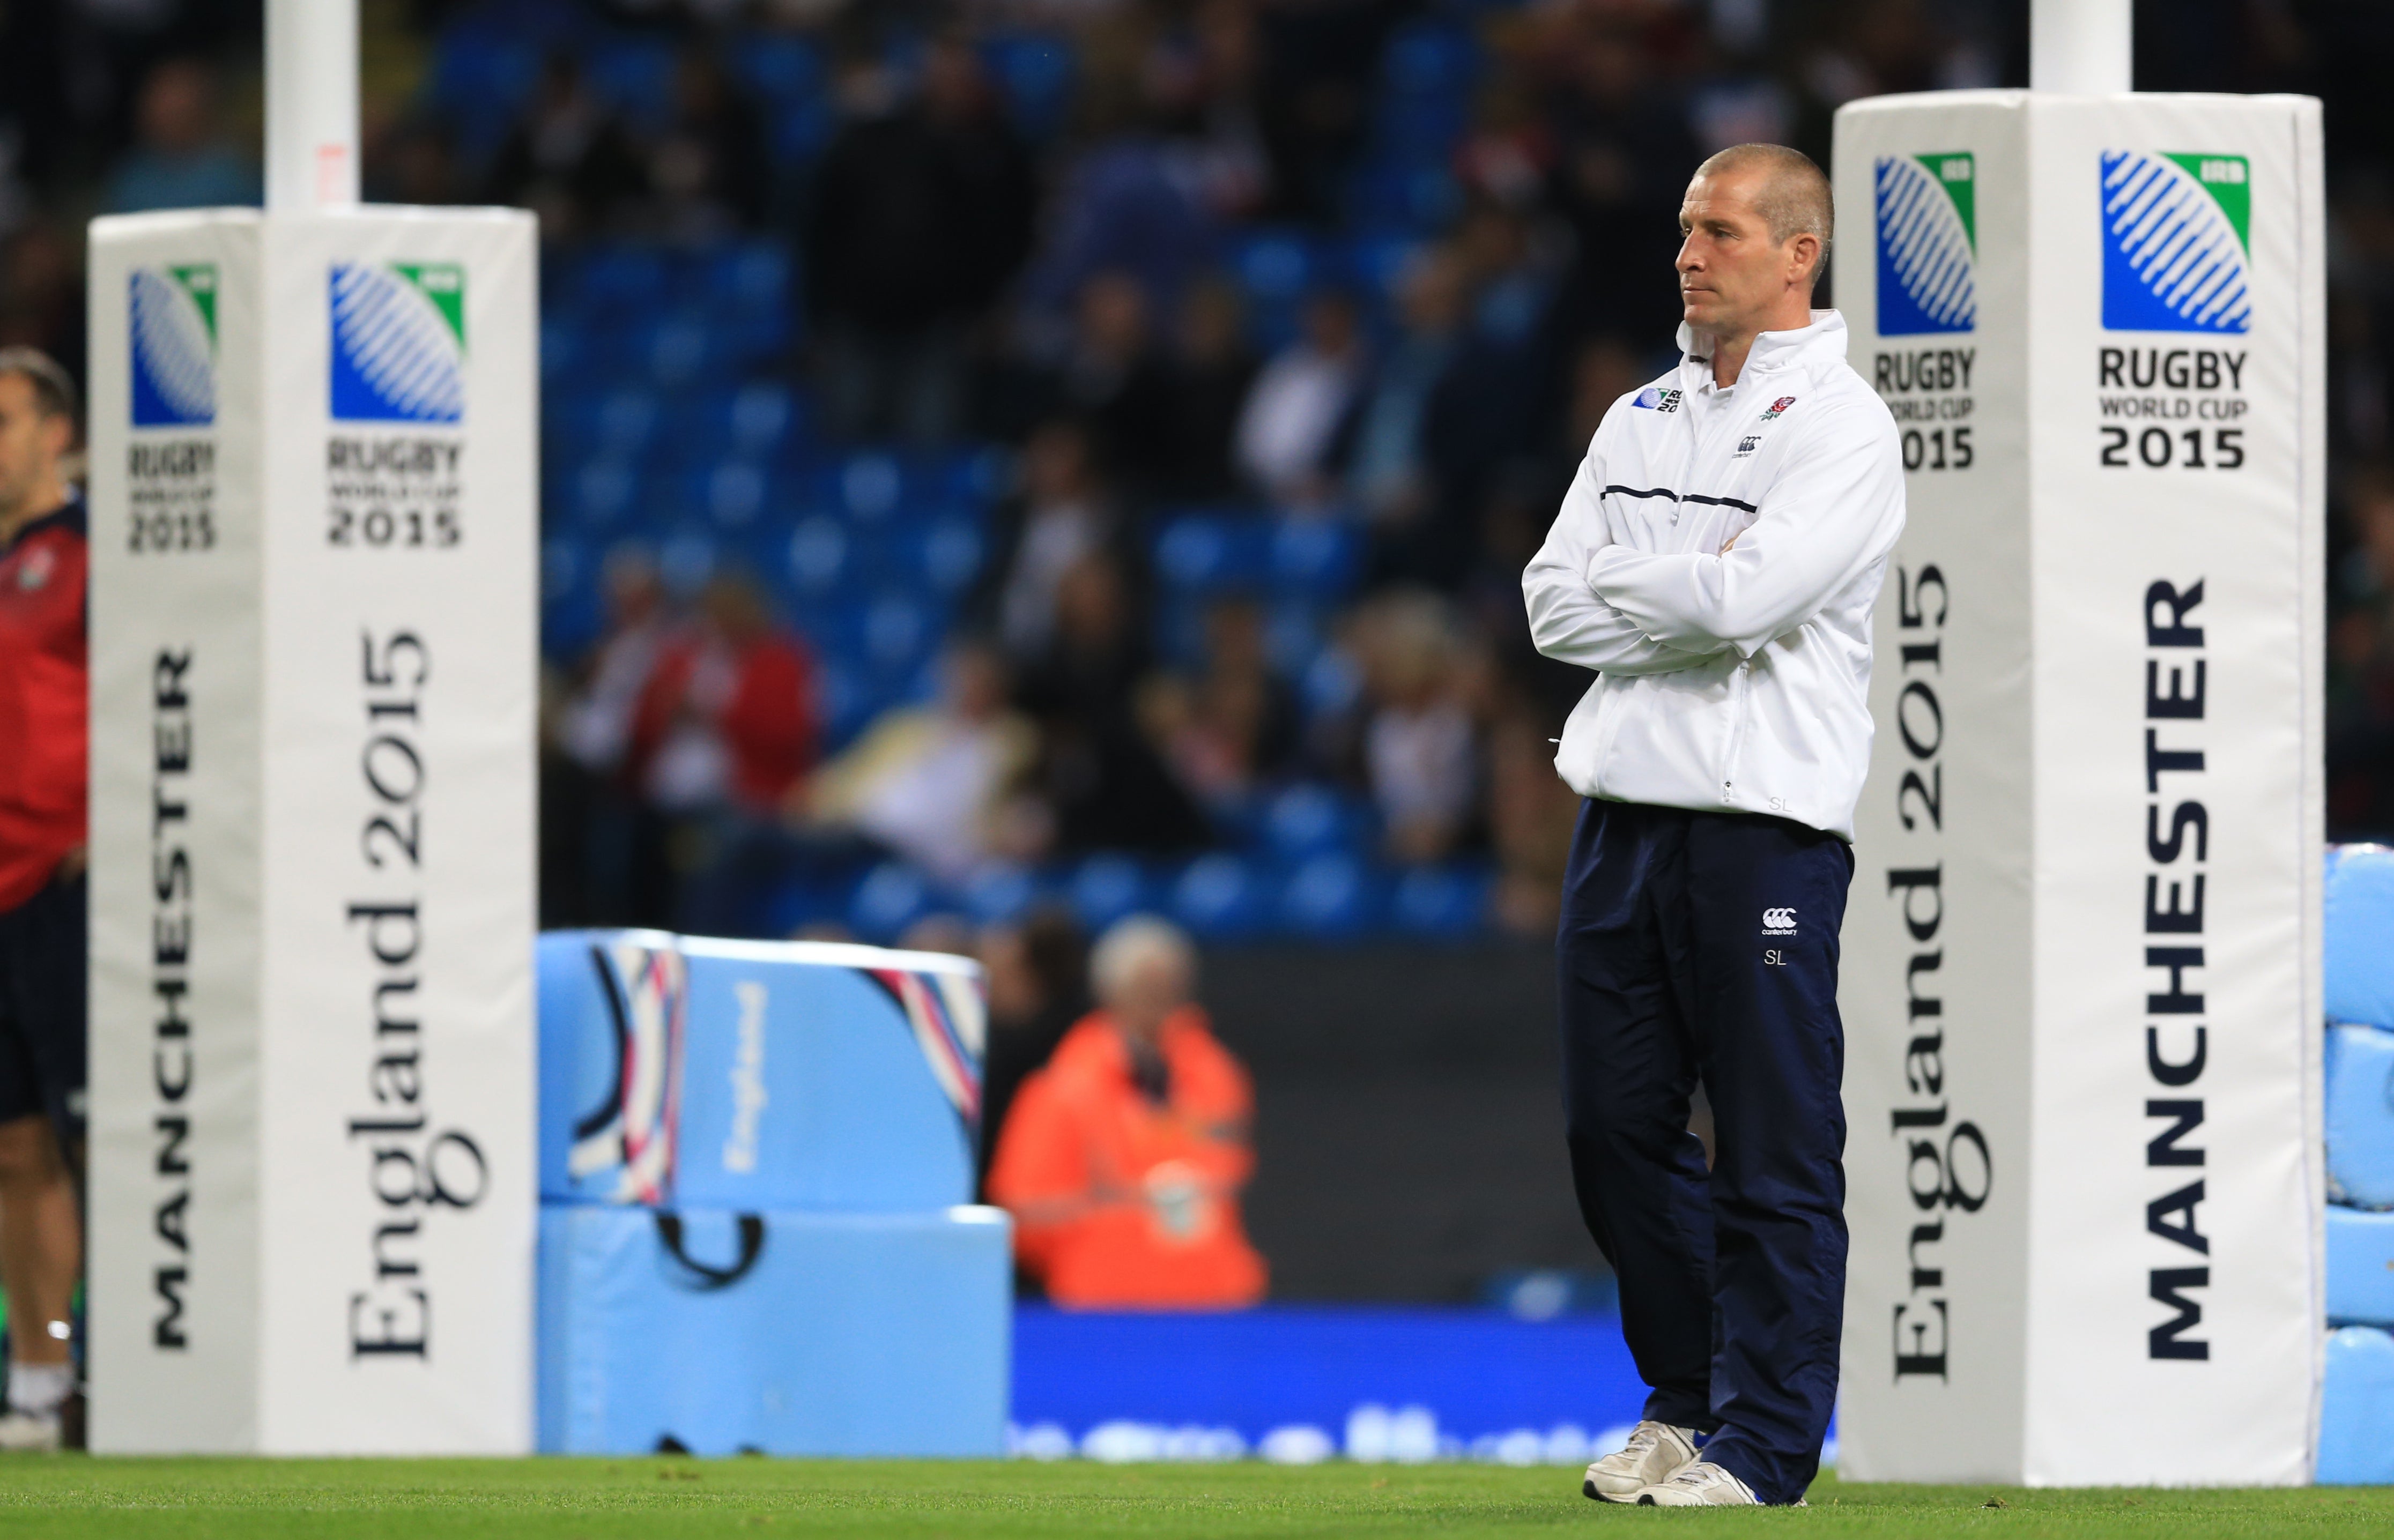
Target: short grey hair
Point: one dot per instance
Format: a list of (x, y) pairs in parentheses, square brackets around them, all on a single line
[(54, 388), (1128, 943), (1796, 198)]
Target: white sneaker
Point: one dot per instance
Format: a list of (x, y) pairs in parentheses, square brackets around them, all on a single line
[(24, 1431), (1699, 1485), (1656, 1452)]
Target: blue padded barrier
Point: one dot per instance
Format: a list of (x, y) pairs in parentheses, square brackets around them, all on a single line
[(2357, 1409), (2360, 1267), (780, 1332), (2360, 1116), (756, 1074), (2359, 939), (1477, 1372)]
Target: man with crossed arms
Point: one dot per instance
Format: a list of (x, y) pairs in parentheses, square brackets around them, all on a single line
[(1715, 562)]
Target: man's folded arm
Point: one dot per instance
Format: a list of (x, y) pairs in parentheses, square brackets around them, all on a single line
[(1836, 508), (1568, 622)]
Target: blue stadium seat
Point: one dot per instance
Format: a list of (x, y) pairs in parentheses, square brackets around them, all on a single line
[(618, 425), (604, 494), (1428, 61), (892, 897), (945, 554), (897, 630), (766, 416), (619, 282), (1219, 896), (2356, 1408), (1201, 552), (1309, 819), (570, 605), (1317, 557), (1328, 897), (780, 69), (848, 705), (1000, 892), (686, 560), (1419, 129), (681, 348), (868, 486), (1440, 900), (1276, 266), (1035, 75), (815, 556), (973, 479), (748, 277), (1332, 682), (561, 350), (734, 494), (634, 76), (2359, 934), (1408, 196), (2359, 1266), (1106, 887), (2360, 1116), (799, 131), (1292, 631), (480, 83)]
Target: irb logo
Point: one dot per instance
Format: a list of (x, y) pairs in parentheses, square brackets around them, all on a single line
[(1928, 243), (2177, 241), (171, 314), (399, 341)]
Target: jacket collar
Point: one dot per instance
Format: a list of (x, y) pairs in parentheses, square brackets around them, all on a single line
[(68, 515), (1823, 341), (1095, 1045)]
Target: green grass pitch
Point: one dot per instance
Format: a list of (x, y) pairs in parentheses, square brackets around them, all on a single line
[(101, 1499)]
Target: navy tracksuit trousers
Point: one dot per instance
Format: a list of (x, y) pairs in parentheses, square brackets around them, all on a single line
[(1704, 946)]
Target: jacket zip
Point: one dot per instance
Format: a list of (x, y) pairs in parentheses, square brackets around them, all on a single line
[(1743, 674), (1736, 729)]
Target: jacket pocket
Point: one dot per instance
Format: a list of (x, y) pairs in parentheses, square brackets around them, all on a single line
[(1741, 685), (1611, 708)]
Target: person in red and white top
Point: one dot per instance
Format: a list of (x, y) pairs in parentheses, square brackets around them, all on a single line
[(44, 793)]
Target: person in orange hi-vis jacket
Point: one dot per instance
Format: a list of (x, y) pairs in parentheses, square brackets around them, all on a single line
[(1122, 1160)]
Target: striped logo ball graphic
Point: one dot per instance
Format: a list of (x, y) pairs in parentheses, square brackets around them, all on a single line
[(170, 314), (2176, 229), (398, 353), (1928, 243)]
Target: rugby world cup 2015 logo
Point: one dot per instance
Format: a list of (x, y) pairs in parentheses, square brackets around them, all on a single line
[(1928, 243), (399, 341), (2177, 241), (171, 318)]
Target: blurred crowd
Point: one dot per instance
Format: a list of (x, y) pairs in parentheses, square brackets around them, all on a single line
[(1026, 224)]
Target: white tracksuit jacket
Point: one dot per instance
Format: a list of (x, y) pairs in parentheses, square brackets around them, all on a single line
[(1735, 682)]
